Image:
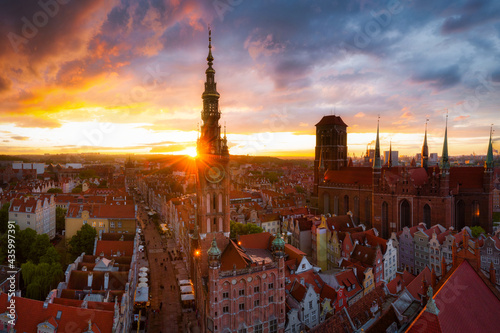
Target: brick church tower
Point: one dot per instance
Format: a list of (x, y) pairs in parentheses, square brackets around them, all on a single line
[(331, 147)]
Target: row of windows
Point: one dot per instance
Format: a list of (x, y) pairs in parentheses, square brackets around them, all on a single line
[(101, 224), (241, 306), (241, 292)]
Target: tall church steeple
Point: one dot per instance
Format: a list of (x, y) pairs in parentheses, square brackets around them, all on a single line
[(389, 160), (377, 164), (445, 163), (213, 183), (425, 150), (488, 164), (210, 141)]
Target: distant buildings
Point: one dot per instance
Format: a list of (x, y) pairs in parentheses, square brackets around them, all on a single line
[(37, 213), (390, 198), (112, 217)]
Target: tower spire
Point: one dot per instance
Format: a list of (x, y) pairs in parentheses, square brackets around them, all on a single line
[(210, 137), (445, 163), (389, 161), (425, 149), (210, 57), (488, 164), (376, 160)]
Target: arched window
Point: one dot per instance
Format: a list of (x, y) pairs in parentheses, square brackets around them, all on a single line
[(356, 209), (220, 202), (460, 215), (346, 204), (336, 205), (214, 202), (208, 203), (326, 203), (385, 220), (405, 214), (427, 216), (476, 213)]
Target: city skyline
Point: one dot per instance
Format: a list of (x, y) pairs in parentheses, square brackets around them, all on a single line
[(120, 77)]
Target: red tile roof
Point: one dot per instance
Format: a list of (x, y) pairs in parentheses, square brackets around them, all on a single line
[(256, 241), (353, 176), (468, 177), (298, 291), (415, 288), (348, 279), (426, 323), (73, 319), (475, 307), (234, 256), (109, 248), (331, 120)]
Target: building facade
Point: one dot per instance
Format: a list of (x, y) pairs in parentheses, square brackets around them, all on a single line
[(390, 198), (37, 213), (235, 291)]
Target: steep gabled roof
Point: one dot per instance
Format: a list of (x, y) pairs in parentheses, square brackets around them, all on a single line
[(234, 256), (256, 241), (474, 306), (31, 313)]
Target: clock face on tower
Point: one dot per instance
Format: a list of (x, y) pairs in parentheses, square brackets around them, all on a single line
[(214, 173)]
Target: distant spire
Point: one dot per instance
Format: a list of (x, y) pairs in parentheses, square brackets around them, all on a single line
[(376, 160), (210, 57), (445, 164), (425, 149), (389, 162), (488, 164)]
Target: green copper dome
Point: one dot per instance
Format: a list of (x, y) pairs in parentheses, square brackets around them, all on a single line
[(214, 251), (278, 243)]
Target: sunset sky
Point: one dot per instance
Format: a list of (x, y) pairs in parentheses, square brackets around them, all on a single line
[(127, 76)]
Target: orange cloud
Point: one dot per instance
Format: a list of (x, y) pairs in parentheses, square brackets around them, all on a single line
[(459, 118)]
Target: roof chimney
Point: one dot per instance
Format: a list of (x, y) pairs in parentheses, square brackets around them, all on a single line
[(106, 280), (89, 280)]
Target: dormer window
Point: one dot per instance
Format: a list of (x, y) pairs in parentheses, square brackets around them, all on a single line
[(28, 209)]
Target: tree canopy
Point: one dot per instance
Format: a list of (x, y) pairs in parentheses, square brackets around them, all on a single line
[(83, 241), (4, 217), (55, 190), (60, 219), (243, 229), (476, 231)]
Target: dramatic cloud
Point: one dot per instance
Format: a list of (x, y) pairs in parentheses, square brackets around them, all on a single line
[(280, 66)]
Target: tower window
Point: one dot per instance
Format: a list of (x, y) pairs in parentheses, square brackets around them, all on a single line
[(215, 221)]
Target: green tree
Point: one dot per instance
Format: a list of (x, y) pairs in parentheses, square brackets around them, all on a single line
[(28, 271), (33, 291), (24, 241), (4, 217), (77, 189), (243, 229), (477, 230), (51, 256), (88, 173), (39, 248), (300, 189), (55, 190), (60, 219), (83, 241)]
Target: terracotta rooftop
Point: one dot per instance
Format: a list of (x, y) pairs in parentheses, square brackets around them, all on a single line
[(111, 248), (72, 319), (353, 176), (256, 241), (475, 307), (331, 120)]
